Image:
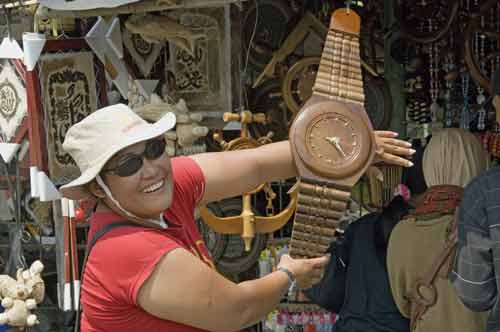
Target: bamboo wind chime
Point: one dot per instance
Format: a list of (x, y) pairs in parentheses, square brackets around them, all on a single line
[(339, 78), (381, 192)]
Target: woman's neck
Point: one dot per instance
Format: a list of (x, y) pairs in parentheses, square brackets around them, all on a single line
[(102, 207)]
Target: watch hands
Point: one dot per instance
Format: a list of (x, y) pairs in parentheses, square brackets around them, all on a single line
[(335, 141)]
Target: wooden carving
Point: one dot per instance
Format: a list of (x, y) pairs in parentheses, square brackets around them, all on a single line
[(13, 103), (182, 141), (159, 29)]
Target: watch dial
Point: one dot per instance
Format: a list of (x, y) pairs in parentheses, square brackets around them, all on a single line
[(333, 140)]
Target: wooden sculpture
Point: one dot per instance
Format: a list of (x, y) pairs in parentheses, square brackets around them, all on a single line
[(308, 24), (159, 28), (381, 192)]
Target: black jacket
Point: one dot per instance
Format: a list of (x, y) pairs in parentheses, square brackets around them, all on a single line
[(355, 284)]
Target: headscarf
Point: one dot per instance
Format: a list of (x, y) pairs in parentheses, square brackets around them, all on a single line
[(453, 157)]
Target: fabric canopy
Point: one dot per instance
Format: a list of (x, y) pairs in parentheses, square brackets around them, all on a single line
[(83, 4)]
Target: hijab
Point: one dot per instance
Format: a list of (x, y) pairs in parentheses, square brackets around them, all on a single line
[(453, 157)]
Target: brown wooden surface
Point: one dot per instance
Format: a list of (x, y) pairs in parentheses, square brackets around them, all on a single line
[(346, 21), (35, 123)]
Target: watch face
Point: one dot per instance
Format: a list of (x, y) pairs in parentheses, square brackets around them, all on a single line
[(332, 139)]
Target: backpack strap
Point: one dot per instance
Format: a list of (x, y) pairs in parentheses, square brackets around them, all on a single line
[(91, 244), (424, 294)]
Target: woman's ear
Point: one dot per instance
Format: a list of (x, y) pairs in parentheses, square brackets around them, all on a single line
[(95, 189)]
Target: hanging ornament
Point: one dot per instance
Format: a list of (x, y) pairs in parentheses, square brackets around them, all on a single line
[(448, 114), (481, 113), (423, 112), (497, 20), (480, 99), (435, 109), (410, 111), (451, 75), (434, 78), (464, 114)]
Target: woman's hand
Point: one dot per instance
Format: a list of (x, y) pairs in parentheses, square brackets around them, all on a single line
[(306, 271), (390, 149)]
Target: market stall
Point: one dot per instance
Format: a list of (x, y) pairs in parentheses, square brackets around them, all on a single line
[(236, 74)]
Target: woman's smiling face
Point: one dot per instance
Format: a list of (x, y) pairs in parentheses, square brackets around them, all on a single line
[(147, 192)]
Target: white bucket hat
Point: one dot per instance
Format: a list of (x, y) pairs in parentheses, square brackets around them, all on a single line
[(94, 140)]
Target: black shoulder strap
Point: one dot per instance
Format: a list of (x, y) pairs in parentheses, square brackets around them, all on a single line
[(91, 244), (100, 233)]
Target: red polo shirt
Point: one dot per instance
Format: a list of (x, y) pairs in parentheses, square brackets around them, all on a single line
[(125, 257)]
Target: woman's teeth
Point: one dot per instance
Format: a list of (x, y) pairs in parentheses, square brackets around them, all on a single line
[(154, 187)]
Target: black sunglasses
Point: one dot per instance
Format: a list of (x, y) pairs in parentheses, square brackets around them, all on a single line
[(131, 163)]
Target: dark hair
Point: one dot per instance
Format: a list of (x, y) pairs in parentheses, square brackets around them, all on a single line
[(386, 221)]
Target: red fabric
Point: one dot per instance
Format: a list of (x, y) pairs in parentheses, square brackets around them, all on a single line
[(441, 199), (125, 257)]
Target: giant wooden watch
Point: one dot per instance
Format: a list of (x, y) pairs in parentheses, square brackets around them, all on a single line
[(332, 139)]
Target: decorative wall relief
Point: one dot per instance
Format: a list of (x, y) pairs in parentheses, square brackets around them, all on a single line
[(192, 69), (159, 29), (13, 104), (202, 78), (68, 89), (143, 53)]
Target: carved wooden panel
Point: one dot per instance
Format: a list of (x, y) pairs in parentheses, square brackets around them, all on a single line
[(13, 102), (68, 92), (202, 78), (142, 53)]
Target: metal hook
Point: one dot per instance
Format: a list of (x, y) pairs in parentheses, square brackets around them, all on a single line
[(348, 6)]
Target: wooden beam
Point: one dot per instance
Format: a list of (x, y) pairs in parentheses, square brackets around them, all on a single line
[(65, 44), (103, 84), (35, 122), (22, 131)]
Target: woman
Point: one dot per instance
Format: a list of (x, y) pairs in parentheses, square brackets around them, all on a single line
[(160, 277), (419, 246), (355, 284)]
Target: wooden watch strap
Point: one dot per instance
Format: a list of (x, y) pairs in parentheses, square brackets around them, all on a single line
[(320, 207), (339, 75)]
